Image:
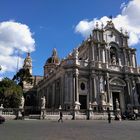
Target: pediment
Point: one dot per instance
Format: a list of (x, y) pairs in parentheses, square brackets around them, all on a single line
[(117, 82)]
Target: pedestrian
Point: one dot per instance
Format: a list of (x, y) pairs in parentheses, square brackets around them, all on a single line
[(61, 117), (22, 113), (109, 116)]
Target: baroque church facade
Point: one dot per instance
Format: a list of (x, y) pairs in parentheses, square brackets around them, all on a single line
[(101, 73)]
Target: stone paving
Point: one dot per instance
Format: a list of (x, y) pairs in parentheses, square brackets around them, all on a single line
[(69, 130)]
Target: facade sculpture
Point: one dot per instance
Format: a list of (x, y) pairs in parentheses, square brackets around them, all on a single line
[(101, 70), (22, 102), (43, 102)]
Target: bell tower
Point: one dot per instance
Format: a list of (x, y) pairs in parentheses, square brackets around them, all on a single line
[(28, 63)]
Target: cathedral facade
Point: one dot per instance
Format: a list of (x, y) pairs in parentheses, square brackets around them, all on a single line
[(101, 73)]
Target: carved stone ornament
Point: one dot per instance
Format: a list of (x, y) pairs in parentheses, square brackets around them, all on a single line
[(43, 102)]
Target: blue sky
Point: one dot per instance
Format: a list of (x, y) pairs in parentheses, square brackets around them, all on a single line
[(53, 24)]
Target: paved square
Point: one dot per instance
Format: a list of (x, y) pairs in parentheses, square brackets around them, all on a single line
[(69, 130)]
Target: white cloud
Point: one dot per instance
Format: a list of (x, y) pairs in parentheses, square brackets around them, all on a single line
[(85, 27), (14, 37), (128, 19)]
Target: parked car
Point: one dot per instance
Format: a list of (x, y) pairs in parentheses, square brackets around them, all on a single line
[(2, 119)]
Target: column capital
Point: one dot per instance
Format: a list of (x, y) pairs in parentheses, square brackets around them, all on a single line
[(93, 75)]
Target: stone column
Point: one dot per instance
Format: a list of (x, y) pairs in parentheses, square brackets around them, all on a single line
[(125, 59), (99, 59), (61, 90), (130, 59), (71, 90), (103, 56), (76, 85), (66, 88), (135, 60), (53, 95), (94, 88), (76, 94), (106, 56), (90, 89), (127, 97), (107, 87), (93, 52)]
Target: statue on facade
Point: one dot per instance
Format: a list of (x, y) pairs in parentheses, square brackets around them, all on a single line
[(113, 60), (135, 95), (75, 52), (22, 102), (117, 105), (77, 105), (43, 102), (118, 113), (101, 84)]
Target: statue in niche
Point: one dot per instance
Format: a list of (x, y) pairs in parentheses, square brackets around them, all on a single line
[(117, 105), (43, 102), (101, 84), (114, 60)]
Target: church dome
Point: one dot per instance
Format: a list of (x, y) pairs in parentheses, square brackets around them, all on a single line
[(53, 59)]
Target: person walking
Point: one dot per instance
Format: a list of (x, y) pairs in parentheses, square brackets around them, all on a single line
[(61, 117), (109, 116)]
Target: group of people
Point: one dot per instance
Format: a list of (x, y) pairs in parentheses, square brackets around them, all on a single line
[(131, 114)]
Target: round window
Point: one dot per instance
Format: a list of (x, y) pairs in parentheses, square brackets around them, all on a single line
[(82, 86)]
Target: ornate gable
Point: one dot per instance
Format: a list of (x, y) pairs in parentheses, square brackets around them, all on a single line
[(117, 82)]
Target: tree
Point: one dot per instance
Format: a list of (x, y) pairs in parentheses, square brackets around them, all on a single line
[(23, 75), (10, 93)]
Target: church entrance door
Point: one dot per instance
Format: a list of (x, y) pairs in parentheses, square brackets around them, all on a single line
[(83, 101), (115, 96)]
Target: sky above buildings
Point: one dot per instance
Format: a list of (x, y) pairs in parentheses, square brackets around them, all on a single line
[(38, 26)]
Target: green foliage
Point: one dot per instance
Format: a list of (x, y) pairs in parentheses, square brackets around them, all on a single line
[(23, 75), (10, 93)]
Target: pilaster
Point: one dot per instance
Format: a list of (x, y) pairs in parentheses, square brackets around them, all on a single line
[(94, 88), (76, 85), (107, 88), (127, 97)]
